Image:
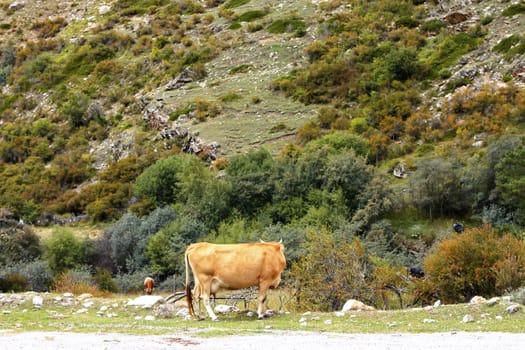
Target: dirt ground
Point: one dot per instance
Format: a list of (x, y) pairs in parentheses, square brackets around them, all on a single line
[(273, 340)]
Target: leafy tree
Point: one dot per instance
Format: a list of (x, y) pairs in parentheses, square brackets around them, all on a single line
[(64, 251), (250, 176), (166, 248), (398, 64), (348, 173), (130, 235), (376, 200), (75, 109), (437, 188), (330, 272), (202, 194), (159, 182), (510, 181)]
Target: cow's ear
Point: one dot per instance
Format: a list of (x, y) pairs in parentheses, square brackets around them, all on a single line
[(281, 241), (261, 241)]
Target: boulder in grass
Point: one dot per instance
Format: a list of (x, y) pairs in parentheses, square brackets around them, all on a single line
[(146, 301)]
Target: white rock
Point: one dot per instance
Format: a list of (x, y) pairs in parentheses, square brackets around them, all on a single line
[(507, 298), (513, 308), (468, 318), (250, 313), (328, 322), (182, 313), (102, 10), (82, 311), (339, 314), (429, 320), (437, 304), (225, 309), (88, 304), (499, 317), (477, 300), (103, 308), (68, 295), (17, 5), (302, 320), (149, 318), (38, 301), (307, 313), (146, 301), (493, 301), (138, 318)]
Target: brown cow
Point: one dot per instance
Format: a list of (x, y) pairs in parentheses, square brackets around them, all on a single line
[(149, 283), (233, 266)]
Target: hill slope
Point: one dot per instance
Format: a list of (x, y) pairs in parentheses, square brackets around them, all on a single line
[(87, 85)]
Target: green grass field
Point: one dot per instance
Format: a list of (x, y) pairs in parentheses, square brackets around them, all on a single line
[(132, 320)]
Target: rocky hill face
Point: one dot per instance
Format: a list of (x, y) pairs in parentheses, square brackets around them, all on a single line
[(86, 84)]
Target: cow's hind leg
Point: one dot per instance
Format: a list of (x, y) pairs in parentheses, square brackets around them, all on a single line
[(197, 300)]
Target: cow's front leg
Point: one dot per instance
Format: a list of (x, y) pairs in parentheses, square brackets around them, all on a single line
[(207, 305)]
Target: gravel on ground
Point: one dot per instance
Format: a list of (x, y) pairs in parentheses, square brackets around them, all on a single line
[(274, 340)]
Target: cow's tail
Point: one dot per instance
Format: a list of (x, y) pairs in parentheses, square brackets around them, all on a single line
[(189, 298)]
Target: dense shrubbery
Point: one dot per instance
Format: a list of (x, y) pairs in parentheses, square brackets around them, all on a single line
[(476, 262), (331, 271)]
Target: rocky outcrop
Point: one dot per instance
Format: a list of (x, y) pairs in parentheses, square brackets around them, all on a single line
[(188, 75)]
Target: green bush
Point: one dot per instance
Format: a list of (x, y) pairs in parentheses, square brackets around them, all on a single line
[(64, 251), (433, 25), (507, 43), (281, 26), (104, 281), (514, 10), (235, 3), (138, 7), (409, 22), (450, 49)]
